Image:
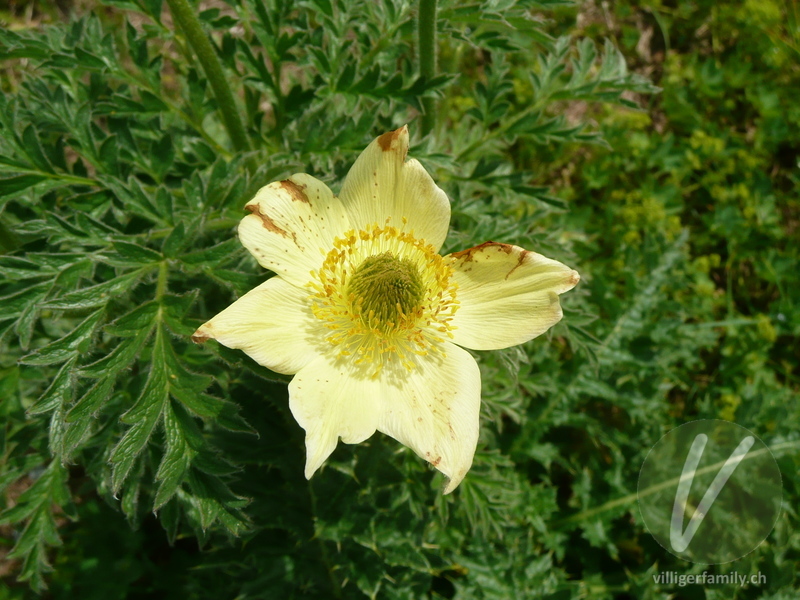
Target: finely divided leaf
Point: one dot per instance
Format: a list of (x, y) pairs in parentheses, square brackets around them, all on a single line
[(66, 347), (182, 443), (59, 391), (143, 416), (96, 295)]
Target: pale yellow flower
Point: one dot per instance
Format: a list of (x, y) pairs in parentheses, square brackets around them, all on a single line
[(370, 317)]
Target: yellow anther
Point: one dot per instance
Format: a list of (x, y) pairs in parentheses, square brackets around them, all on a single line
[(387, 294)]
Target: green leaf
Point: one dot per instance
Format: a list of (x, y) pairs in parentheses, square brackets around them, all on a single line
[(143, 416), (14, 304), (131, 255), (238, 281), (213, 500), (536, 192), (70, 276), (33, 148), (136, 46), (66, 347), (10, 393), (79, 419), (25, 324), (175, 309), (58, 427), (109, 154), (89, 60), (19, 268), (65, 229), (215, 255), (162, 155), (257, 64), (213, 464), (91, 402), (37, 504), (13, 185), (164, 203), (181, 377), (176, 241), (134, 198), (182, 442), (131, 490), (59, 391), (96, 295), (169, 515), (151, 102), (119, 358), (222, 412), (132, 323)]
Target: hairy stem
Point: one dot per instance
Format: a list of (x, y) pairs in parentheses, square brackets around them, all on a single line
[(426, 26), (161, 283), (198, 40)]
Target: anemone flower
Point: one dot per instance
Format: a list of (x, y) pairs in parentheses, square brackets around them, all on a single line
[(368, 316)]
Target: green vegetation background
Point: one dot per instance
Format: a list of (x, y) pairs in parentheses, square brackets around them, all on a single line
[(137, 465)]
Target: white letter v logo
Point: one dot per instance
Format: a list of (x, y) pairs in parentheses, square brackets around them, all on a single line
[(679, 539)]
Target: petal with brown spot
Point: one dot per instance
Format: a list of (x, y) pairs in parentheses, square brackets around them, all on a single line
[(292, 226), (383, 185), (507, 295)]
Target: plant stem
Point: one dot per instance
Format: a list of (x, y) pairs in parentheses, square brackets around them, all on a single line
[(63, 177), (427, 58), (161, 283), (198, 40)]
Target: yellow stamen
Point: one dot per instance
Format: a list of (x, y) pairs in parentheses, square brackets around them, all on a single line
[(386, 295)]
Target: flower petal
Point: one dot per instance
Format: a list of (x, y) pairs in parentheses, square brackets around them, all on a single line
[(292, 226), (506, 295), (382, 184), (272, 323), (329, 401), (435, 409)]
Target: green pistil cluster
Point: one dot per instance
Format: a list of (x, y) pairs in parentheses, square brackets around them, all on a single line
[(382, 284)]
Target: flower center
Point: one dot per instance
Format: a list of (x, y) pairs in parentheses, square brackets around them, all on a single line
[(386, 289), (386, 296)]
